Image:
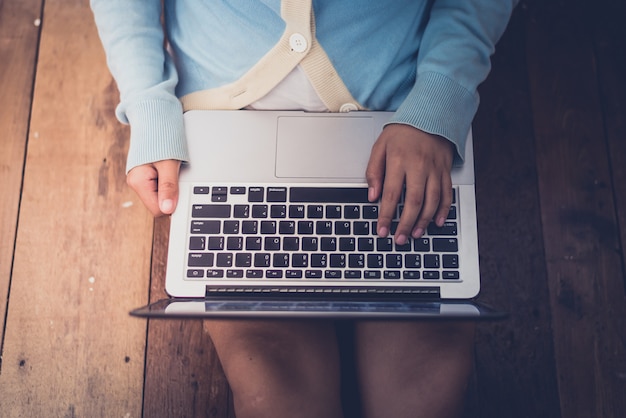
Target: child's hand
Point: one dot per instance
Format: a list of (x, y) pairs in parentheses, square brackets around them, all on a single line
[(157, 185), (406, 155)]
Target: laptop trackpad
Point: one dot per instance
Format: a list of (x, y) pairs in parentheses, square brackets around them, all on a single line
[(324, 146)]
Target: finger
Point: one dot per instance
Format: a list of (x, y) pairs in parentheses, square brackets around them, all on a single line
[(446, 200), (432, 197), (143, 180), (413, 202), (375, 171), (167, 188), (392, 192)]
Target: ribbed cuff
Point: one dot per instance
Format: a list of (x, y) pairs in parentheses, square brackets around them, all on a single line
[(439, 105), (156, 133)]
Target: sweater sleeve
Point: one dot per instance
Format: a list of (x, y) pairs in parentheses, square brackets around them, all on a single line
[(454, 58), (133, 39)]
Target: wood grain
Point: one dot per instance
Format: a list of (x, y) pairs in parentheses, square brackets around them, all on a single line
[(581, 236), (514, 373), (83, 241), (19, 36), (183, 375)]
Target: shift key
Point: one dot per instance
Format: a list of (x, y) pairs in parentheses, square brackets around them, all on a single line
[(210, 211)]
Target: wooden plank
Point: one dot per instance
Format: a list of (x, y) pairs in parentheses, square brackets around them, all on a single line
[(82, 257), (514, 370), (578, 212), (183, 374), (19, 36)]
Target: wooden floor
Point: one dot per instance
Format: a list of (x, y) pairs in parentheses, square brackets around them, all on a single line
[(77, 252)]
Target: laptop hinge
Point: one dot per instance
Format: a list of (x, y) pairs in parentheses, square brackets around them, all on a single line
[(324, 292)]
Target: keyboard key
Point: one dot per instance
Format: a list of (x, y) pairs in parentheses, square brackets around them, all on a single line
[(286, 227), (431, 275), (205, 227), (276, 194), (393, 261), (216, 243), (333, 212), (234, 243), (278, 211), (259, 211), (214, 273), (300, 260), (201, 190), (254, 274), (274, 274), (412, 261), (210, 211), (234, 274), (375, 261), (422, 245), (347, 244), (253, 243), (450, 275), (352, 274), (352, 212), (361, 228), (328, 194), (332, 274), (356, 261), (391, 274), (305, 227), (197, 243), (411, 274), (371, 274), (249, 227), (237, 190), (272, 243), (293, 274), (262, 259), (328, 244), (256, 194), (323, 227), (384, 244), (280, 260), (313, 274), (200, 260), (291, 243), (337, 260), (241, 211), (445, 245), (448, 228), (268, 227), (319, 260), (450, 261), (370, 212), (431, 261), (296, 211), (243, 260), (231, 227), (224, 260), (315, 211), (195, 274), (342, 228), (366, 244)]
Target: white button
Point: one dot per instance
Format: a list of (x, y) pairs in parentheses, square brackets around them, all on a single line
[(348, 107), (298, 42)]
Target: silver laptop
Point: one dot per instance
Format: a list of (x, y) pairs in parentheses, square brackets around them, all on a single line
[(273, 221)]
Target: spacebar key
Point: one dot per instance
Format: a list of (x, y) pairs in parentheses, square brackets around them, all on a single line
[(210, 211), (328, 194)]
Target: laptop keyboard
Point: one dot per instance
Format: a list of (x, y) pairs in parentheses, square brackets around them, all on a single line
[(307, 232)]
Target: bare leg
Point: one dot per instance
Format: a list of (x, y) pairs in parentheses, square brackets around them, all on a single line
[(413, 369), (280, 368)]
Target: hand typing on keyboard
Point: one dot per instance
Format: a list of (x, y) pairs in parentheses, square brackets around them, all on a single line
[(404, 156)]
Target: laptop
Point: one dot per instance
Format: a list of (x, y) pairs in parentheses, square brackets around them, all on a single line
[(273, 221)]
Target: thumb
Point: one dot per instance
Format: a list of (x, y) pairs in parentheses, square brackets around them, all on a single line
[(167, 188)]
